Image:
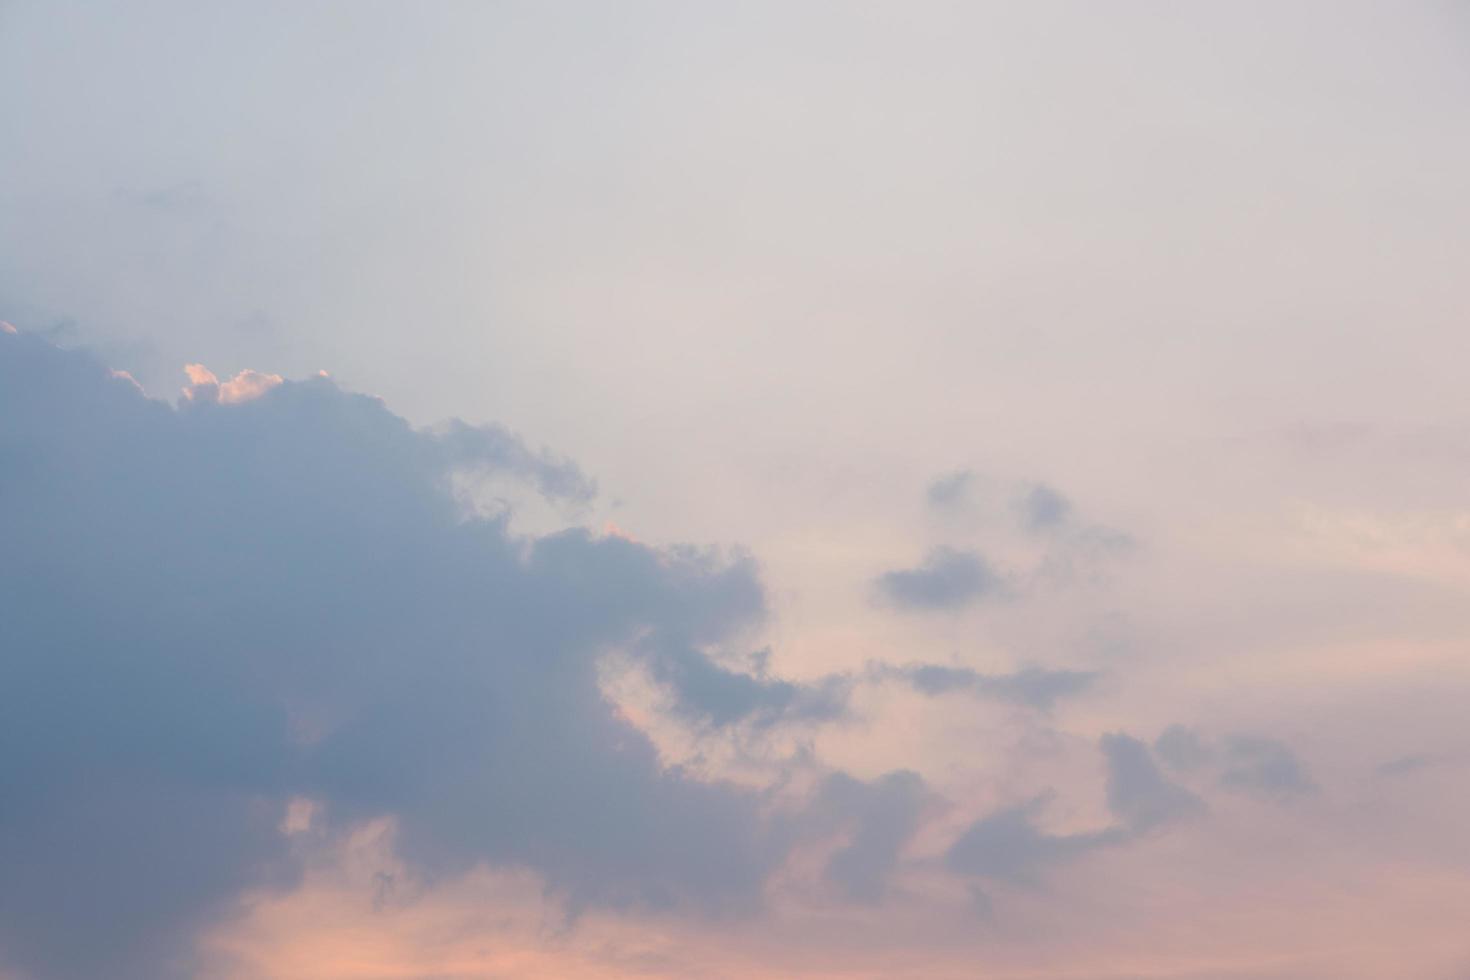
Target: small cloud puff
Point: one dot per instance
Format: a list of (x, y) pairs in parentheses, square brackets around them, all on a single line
[(1041, 508), (947, 578), (205, 387), (1033, 686), (950, 489)]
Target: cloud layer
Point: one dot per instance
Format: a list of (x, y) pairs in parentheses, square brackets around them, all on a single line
[(236, 619), (212, 610)]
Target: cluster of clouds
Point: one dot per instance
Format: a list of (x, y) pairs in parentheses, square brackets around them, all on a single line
[(214, 609), (270, 593), (952, 577)]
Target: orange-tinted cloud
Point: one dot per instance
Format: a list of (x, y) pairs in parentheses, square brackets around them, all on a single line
[(205, 386)]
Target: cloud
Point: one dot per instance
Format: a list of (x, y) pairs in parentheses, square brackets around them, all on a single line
[(946, 579), (1041, 508), (1138, 794), (883, 815), (214, 610), (1055, 547), (709, 693), (247, 385), (950, 489), (1265, 767), (495, 449), (1008, 845), (1183, 749), (1034, 686)]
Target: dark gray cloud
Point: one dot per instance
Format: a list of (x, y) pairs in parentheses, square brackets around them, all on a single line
[(1032, 686), (947, 579), (208, 610), (1265, 767)]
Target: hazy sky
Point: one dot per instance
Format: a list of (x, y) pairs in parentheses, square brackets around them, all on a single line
[(797, 490)]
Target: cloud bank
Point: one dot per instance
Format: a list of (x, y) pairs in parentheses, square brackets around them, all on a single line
[(270, 593), (268, 607)]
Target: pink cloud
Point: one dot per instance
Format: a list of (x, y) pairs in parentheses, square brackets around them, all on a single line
[(205, 386)]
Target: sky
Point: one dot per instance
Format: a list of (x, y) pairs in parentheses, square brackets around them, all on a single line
[(665, 490)]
